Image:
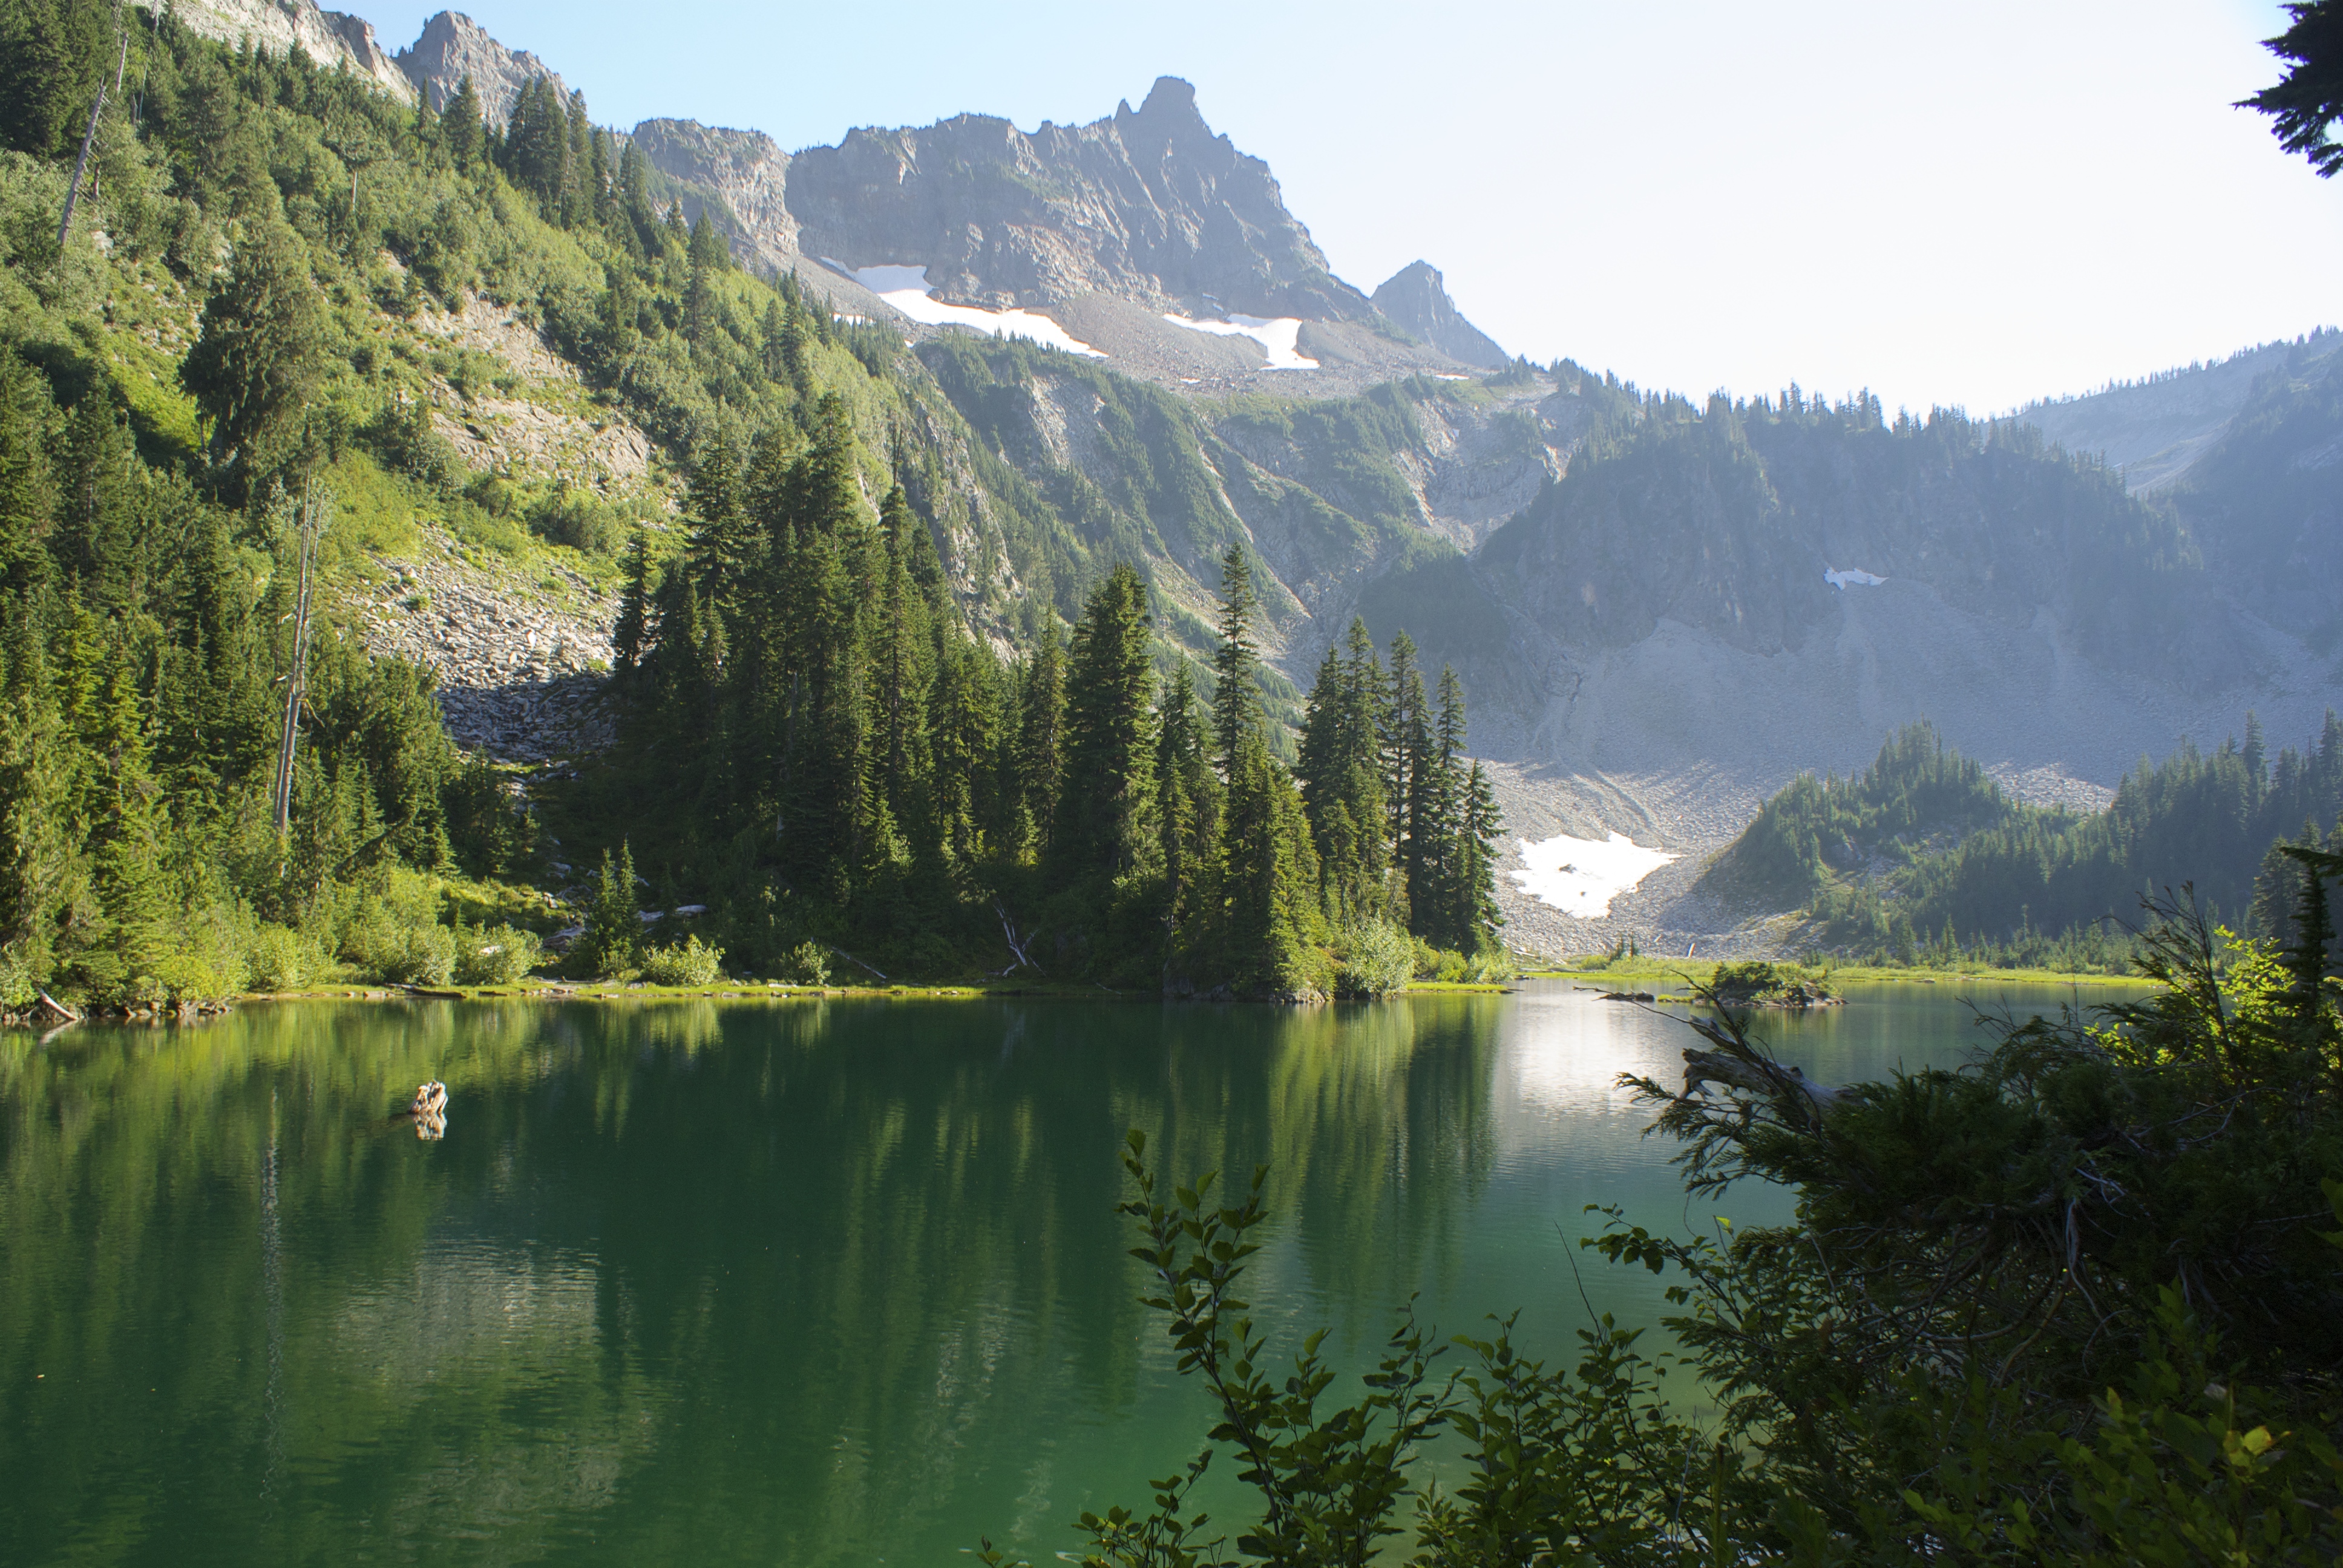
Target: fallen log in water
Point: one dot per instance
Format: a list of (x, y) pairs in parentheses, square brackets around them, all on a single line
[(1702, 1068)]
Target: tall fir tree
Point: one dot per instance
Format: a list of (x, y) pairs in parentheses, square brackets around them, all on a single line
[(1041, 739), (1187, 800), (1236, 660)]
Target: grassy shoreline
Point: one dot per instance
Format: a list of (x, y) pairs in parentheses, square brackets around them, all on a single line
[(760, 990), (1701, 970)]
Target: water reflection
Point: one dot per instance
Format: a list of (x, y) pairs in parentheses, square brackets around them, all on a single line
[(812, 1283)]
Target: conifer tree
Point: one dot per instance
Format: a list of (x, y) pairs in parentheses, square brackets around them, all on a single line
[(1413, 783), (27, 500), (1041, 738), (1268, 877), (1099, 825), (965, 727), (259, 353), (1342, 777), (613, 922), (1187, 791), (905, 669), (1236, 661), (709, 257), (1479, 826), (724, 536), (632, 633), (462, 128)]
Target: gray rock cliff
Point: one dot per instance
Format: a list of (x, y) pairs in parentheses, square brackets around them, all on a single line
[(1147, 204), (329, 38), (744, 170), (1416, 299)]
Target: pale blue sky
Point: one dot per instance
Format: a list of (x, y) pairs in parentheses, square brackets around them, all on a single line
[(1970, 203)]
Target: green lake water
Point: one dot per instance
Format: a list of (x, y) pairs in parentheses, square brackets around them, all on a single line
[(802, 1283)]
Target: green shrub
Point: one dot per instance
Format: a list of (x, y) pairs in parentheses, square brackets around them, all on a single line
[(16, 982), (496, 955), (806, 964), (281, 959), (392, 932), (578, 518), (688, 963), (1373, 958), (200, 978), (1492, 965)]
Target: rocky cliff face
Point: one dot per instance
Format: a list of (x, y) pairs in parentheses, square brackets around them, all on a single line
[(744, 170), (1416, 299), (329, 38), (454, 47), (1148, 205)]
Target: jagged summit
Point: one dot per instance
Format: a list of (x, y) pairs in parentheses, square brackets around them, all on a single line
[(1416, 299), (1145, 237), (454, 47), (1148, 206)]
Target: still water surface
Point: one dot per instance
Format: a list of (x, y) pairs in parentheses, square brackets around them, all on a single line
[(800, 1283)]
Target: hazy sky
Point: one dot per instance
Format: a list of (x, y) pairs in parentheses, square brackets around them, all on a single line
[(1971, 203)]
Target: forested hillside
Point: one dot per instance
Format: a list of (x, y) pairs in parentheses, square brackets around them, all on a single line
[(1726, 518), (225, 420), (1922, 851)]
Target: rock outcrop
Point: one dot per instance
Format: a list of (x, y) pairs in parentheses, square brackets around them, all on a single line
[(519, 669), (746, 171), (329, 38), (1416, 299), (454, 47), (1147, 204)]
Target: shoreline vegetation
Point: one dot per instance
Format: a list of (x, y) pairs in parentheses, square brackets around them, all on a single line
[(1627, 983)]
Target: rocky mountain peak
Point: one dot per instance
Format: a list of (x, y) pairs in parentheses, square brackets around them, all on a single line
[(1146, 206), (1416, 299), (1168, 112), (454, 47)]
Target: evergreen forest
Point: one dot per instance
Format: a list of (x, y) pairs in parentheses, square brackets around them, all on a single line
[(1922, 855), (214, 419)]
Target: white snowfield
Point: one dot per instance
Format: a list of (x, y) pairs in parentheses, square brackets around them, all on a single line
[(907, 288), (1580, 877), (1279, 338), (1840, 579)]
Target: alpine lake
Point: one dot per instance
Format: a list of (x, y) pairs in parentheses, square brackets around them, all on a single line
[(798, 1282)]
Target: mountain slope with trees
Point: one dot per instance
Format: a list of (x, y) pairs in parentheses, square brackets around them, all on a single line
[(819, 646)]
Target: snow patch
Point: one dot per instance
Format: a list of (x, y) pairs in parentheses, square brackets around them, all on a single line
[(1580, 877), (1280, 338), (907, 288), (1839, 580)]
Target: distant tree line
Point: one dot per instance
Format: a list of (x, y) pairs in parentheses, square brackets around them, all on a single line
[(1921, 850)]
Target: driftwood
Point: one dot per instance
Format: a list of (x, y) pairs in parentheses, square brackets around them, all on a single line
[(429, 1109), (850, 958), (1017, 944), (1702, 1068), (56, 1008)]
